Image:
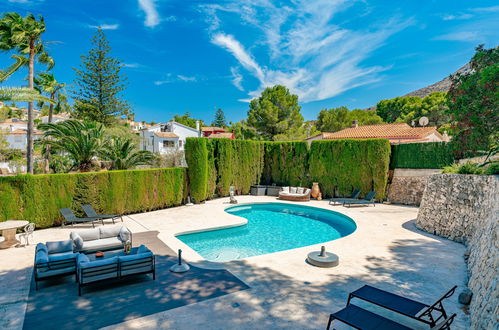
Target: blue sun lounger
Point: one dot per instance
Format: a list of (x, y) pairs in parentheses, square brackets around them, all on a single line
[(369, 199), (341, 200)]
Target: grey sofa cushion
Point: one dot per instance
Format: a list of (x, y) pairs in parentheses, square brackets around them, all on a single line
[(77, 241), (125, 234), (107, 232), (98, 263), (89, 234), (102, 244), (60, 246)]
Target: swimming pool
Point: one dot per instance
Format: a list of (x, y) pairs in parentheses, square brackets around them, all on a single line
[(271, 227)]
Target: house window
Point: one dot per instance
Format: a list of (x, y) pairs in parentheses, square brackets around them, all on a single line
[(168, 144), (180, 143)]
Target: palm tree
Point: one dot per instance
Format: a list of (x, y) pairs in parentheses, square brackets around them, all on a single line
[(18, 93), (82, 142), (123, 154), (24, 35), (46, 83)]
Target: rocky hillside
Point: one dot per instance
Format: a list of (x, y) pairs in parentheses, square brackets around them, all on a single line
[(441, 86)]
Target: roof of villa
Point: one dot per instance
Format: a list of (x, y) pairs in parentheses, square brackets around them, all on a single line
[(212, 129), (21, 132), (387, 131), (166, 134), (13, 121), (221, 135)]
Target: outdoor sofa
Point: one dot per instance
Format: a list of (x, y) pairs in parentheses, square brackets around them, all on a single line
[(54, 259), (297, 194), (140, 260), (434, 316), (101, 239)]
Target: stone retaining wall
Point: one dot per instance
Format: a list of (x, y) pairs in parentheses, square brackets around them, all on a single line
[(408, 185), (465, 208)]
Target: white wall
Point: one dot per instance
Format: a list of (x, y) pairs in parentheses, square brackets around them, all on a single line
[(18, 141)]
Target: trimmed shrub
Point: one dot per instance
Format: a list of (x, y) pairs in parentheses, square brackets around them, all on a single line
[(422, 155), (340, 166), (286, 163), (38, 198), (227, 162), (196, 156)]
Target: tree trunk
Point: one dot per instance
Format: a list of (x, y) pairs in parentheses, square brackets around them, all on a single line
[(51, 107), (29, 151)]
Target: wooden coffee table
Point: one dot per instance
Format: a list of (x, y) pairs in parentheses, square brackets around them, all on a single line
[(9, 229)]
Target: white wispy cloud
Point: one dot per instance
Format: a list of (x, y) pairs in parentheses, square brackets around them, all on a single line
[(237, 78), (150, 9), (457, 17), (491, 9), (133, 65), (19, 1), (303, 49), (469, 36), (105, 26), (172, 78)]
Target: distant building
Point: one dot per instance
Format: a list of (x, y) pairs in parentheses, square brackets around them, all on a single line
[(167, 137), (56, 118), (395, 133), (209, 130), (227, 135), (18, 139), (13, 124)]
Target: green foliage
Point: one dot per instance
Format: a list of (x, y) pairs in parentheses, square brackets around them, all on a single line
[(421, 155), (219, 119), (46, 83), (81, 141), (286, 163), (216, 164), (492, 168), (99, 84), (243, 131), (124, 154), (196, 156), (332, 120), (275, 113), (38, 198), (466, 168), (187, 120), (340, 166), (473, 101)]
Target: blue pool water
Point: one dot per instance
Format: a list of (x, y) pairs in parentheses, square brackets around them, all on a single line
[(271, 227)]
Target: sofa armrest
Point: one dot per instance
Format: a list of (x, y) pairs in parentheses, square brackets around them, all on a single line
[(77, 241), (125, 235)]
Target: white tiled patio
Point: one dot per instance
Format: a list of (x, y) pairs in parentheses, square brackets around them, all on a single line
[(386, 251)]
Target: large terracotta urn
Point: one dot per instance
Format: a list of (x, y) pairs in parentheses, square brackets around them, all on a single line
[(315, 190)]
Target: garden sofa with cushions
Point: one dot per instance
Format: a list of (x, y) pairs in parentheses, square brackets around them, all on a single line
[(100, 239), (140, 260), (54, 259), (297, 194)]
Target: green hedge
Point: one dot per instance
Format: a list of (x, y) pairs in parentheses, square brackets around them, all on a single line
[(340, 166), (286, 163), (225, 162), (421, 155), (38, 198)]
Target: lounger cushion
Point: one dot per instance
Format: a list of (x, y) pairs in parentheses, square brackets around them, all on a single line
[(107, 232), (60, 246), (89, 234), (102, 244), (46, 273), (124, 234), (41, 256)]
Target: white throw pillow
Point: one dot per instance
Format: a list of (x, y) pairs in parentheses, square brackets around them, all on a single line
[(300, 190), (292, 190), (285, 189)]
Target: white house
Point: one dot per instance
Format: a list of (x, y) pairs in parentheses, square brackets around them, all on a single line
[(18, 139), (13, 124), (56, 118), (166, 138)]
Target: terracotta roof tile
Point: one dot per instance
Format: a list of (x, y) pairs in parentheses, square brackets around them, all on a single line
[(166, 134), (221, 135), (388, 131), (212, 128)]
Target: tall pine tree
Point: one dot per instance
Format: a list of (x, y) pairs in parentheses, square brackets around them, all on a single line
[(219, 119), (99, 84)]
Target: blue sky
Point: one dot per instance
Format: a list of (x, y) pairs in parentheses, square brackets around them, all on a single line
[(200, 55)]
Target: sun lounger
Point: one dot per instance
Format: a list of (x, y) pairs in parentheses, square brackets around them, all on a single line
[(90, 212), (70, 217), (369, 199), (408, 307), (360, 318), (341, 200)]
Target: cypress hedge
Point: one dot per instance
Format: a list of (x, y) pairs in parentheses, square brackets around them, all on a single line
[(38, 198), (340, 166), (422, 155), (286, 163), (226, 163), (196, 156)]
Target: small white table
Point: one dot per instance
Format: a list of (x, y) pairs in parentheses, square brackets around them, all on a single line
[(9, 229)]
